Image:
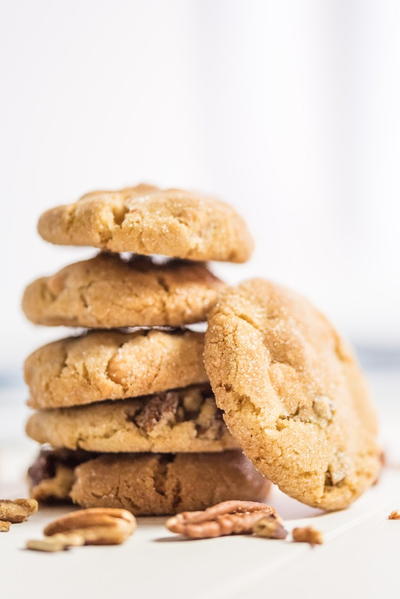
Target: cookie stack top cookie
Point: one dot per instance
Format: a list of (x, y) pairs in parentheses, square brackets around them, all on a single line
[(110, 291), (147, 220)]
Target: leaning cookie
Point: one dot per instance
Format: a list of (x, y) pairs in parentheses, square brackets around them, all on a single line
[(183, 420), (109, 292), (157, 484), (113, 365), (292, 394), (148, 220)]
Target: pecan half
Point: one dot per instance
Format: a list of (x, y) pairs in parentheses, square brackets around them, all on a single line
[(96, 526), (307, 534), (17, 510), (95, 516), (226, 518)]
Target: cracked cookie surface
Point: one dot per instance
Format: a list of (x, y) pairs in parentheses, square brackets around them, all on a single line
[(109, 292), (147, 220), (292, 394), (108, 365), (182, 420), (157, 484)]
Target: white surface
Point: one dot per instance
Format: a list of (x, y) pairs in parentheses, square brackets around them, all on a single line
[(360, 556), (358, 559)]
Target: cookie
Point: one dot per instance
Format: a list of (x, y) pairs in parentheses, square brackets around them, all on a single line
[(292, 394), (157, 484), (113, 365), (109, 292), (183, 420), (148, 220), (51, 475), (146, 484)]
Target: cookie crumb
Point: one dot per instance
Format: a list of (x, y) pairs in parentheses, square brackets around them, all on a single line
[(307, 534), (17, 510), (4, 526), (270, 527), (394, 515)]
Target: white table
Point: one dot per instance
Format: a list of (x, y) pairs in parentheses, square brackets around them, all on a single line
[(359, 558)]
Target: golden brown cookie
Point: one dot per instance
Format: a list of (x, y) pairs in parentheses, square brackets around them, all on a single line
[(292, 394), (109, 292), (183, 420), (157, 484), (113, 365), (51, 475), (146, 484), (148, 220)]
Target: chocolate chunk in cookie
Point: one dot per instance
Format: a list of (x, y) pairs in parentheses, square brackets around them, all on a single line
[(182, 420)]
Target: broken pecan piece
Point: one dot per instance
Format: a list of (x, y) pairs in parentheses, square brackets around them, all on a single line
[(226, 518), (48, 544), (307, 534), (4, 526), (57, 542), (394, 515), (270, 527), (17, 510)]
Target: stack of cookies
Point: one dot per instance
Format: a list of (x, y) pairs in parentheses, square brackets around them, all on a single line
[(124, 410)]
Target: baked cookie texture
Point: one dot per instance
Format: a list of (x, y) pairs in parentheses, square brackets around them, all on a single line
[(292, 394), (146, 483), (113, 365), (157, 484), (109, 292), (51, 475), (183, 420), (147, 220)]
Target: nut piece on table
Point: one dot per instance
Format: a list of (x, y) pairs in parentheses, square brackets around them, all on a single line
[(17, 510), (96, 516), (49, 544), (226, 518), (394, 515), (57, 542), (308, 534), (270, 527), (96, 526), (4, 526)]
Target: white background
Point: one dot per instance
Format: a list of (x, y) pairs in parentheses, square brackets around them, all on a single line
[(289, 110)]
